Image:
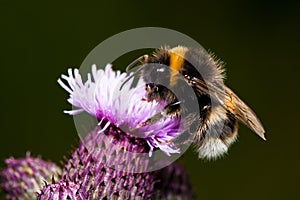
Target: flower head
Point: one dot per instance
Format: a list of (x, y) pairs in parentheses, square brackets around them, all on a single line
[(106, 97), (23, 177)]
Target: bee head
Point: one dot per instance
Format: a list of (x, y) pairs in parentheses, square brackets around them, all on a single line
[(153, 91)]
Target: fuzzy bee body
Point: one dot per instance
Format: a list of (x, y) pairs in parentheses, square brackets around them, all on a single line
[(220, 109)]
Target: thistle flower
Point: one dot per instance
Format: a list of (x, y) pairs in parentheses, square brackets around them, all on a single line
[(108, 162), (114, 151), (23, 177), (102, 97)]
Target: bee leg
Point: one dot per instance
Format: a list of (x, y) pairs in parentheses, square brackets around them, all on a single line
[(145, 99), (170, 110), (151, 120)]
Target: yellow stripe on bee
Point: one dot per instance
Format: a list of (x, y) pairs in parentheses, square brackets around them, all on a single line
[(176, 62)]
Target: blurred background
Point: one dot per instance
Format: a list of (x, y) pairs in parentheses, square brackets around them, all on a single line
[(258, 40)]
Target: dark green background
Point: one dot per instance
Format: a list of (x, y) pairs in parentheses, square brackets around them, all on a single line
[(259, 41)]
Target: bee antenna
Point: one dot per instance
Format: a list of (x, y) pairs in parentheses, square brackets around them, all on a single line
[(136, 61), (134, 73), (141, 59)]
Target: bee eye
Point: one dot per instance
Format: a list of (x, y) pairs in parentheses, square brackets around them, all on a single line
[(150, 85), (155, 89)]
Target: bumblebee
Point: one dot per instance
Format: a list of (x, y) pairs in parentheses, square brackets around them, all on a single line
[(220, 108)]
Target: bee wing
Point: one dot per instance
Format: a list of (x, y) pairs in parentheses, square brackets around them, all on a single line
[(226, 98), (244, 113)]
